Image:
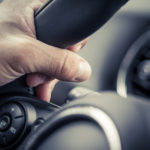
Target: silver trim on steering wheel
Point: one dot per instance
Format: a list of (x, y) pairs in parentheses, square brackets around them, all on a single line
[(102, 119)]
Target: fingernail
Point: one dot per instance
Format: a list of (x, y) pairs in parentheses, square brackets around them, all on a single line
[(84, 71)]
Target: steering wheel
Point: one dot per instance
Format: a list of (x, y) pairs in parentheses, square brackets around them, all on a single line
[(90, 120)]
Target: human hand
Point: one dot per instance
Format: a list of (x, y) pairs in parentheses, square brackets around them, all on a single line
[(21, 53)]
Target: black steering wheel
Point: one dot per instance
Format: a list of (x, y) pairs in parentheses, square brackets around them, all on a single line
[(90, 120)]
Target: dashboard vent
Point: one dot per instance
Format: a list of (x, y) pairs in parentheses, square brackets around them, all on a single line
[(134, 73)]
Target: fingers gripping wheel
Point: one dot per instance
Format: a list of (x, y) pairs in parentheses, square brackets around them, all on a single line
[(62, 23)]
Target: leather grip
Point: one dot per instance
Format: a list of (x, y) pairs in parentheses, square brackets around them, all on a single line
[(62, 23)]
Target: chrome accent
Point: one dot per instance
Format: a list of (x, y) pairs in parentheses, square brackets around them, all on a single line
[(127, 61), (101, 118), (78, 92)]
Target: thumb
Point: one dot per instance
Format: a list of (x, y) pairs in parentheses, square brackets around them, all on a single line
[(38, 57)]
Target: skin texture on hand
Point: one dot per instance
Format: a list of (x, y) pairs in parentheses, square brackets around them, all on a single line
[(21, 53)]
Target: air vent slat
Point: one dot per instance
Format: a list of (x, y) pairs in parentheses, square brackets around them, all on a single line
[(134, 74)]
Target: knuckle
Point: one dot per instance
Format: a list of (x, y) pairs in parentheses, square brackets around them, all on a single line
[(69, 66)]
